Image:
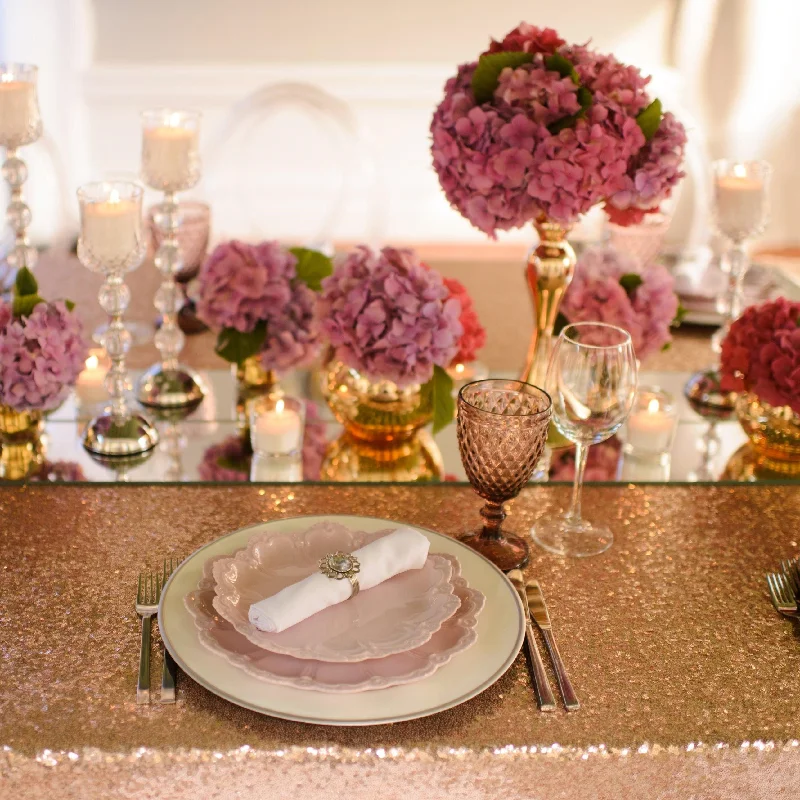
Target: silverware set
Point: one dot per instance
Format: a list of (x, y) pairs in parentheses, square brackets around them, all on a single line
[(536, 610), (784, 588), (148, 594)]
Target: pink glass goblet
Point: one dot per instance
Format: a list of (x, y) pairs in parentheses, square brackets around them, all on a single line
[(502, 430)]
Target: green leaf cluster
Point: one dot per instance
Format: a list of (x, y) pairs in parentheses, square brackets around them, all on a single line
[(312, 267), (26, 294), (487, 73), (649, 119), (630, 282), (236, 347), (438, 394)]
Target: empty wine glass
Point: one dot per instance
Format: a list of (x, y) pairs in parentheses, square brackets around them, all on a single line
[(592, 381), (502, 430)]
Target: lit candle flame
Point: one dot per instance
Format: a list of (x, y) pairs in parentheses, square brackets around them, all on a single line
[(652, 406), (459, 368), (739, 171), (174, 119), (6, 77), (113, 196), (92, 362), (279, 407)]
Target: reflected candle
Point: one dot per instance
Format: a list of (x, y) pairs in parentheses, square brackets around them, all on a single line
[(111, 229), (17, 110), (90, 388), (276, 430), (170, 157), (276, 469)]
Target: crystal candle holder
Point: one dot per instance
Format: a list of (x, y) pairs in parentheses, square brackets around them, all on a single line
[(650, 429), (112, 243), (171, 164), (20, 124), (276, 426)]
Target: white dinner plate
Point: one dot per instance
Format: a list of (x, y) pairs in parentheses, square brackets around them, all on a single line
[(501, 630)]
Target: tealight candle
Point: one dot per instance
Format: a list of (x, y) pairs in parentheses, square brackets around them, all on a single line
[(276, 469), (651, 426), (739, 203), (111, 229), (277, 428), (170, 153), (18, 108)]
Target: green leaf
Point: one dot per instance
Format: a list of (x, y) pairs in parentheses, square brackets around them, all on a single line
[(25, 283), (649, 119), (630, 282), (585, 99), (312, 267), (235, 346), (487, 73), (438, 392), (70, 305), (24, 305), (563, 66), (679, 316)]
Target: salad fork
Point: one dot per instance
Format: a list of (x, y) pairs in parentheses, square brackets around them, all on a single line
[(781, 594), (147, 595)]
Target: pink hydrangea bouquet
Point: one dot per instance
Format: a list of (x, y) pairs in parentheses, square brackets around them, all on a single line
[(610, 286), (761, 353), (392, 318), (262, 300), (42, 348), (538, 128), (473, 336)]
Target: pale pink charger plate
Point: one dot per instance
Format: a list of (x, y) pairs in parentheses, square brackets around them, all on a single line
[(398, 615), (455, 635)]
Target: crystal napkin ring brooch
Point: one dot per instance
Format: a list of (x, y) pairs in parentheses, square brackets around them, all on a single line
[(339, 566)]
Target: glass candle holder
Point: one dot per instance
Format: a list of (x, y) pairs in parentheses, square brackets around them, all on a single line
[(170, 163), (111, 242), (740, 212), (20, 124), (276, 426), (650, 429)]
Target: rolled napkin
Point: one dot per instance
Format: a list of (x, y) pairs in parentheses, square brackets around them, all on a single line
[(397, 552)]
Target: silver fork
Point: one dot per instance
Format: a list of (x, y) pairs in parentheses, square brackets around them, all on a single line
[(147, 594), (170, 670), (781, 594)]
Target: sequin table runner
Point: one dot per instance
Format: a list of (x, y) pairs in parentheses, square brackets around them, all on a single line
[(689, 681)]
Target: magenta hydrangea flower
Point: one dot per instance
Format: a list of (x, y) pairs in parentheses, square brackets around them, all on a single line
[(646, 311), (531, 151), (241, 285), (41, 356), (390, 317)]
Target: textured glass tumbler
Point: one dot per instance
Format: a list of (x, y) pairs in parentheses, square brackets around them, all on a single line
[(502, 430)]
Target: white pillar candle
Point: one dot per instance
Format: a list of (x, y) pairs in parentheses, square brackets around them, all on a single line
[(90, 387), (276, 469), (17, 110), (170, 159), (278, 430), (650, 428), (112, 229), (740, 205)]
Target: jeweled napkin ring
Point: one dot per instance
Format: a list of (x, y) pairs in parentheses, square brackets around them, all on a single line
[(340, 565)]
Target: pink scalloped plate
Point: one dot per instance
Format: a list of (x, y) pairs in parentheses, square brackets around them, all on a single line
[(398, 615), (455, 635)]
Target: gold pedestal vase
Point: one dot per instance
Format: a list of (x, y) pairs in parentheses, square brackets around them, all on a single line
[(21, 446), (774, 433), (383, 437)]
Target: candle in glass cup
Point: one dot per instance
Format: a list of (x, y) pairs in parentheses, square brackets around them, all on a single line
[(651, 426), (90, 388), (111, 228), (170, 153), (739, 201), (17, 109), (276, 469), (278, 429)]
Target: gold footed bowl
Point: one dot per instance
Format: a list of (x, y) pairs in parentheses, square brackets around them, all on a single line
[(383, 437), (774, 433), (21, 446)]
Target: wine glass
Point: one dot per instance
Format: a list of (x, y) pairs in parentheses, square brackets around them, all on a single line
[(592, 381), (502, 430)]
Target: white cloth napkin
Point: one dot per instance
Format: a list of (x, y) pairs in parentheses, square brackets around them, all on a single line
[(397, 552)]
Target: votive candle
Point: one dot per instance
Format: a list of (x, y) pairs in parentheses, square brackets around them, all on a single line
[(651, 425), (170, 151), (18, 108), (112, 228), (277, 427)]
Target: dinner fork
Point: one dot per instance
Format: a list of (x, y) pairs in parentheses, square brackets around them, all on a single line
[(792, 572), (781, 594), (147, 595)]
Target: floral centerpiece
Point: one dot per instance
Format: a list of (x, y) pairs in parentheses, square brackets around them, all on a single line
[(539, 130), (261, 299), (761, 361), (610, 286)]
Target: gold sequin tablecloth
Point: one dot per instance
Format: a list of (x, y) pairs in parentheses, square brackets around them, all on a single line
[(689, 681)]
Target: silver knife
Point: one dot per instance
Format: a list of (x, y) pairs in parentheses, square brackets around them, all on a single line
[(544, 694), (539, 613)]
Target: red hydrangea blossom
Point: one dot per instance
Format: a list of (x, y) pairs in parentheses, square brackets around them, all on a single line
[(474, 336), (761, 353)]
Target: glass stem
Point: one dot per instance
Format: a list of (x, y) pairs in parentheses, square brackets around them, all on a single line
[(581, 452), (739, 265), (493, 516)]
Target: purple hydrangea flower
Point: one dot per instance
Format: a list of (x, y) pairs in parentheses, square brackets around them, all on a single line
[(41, 356), (241, 285), (596, 295), (390, 317)]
